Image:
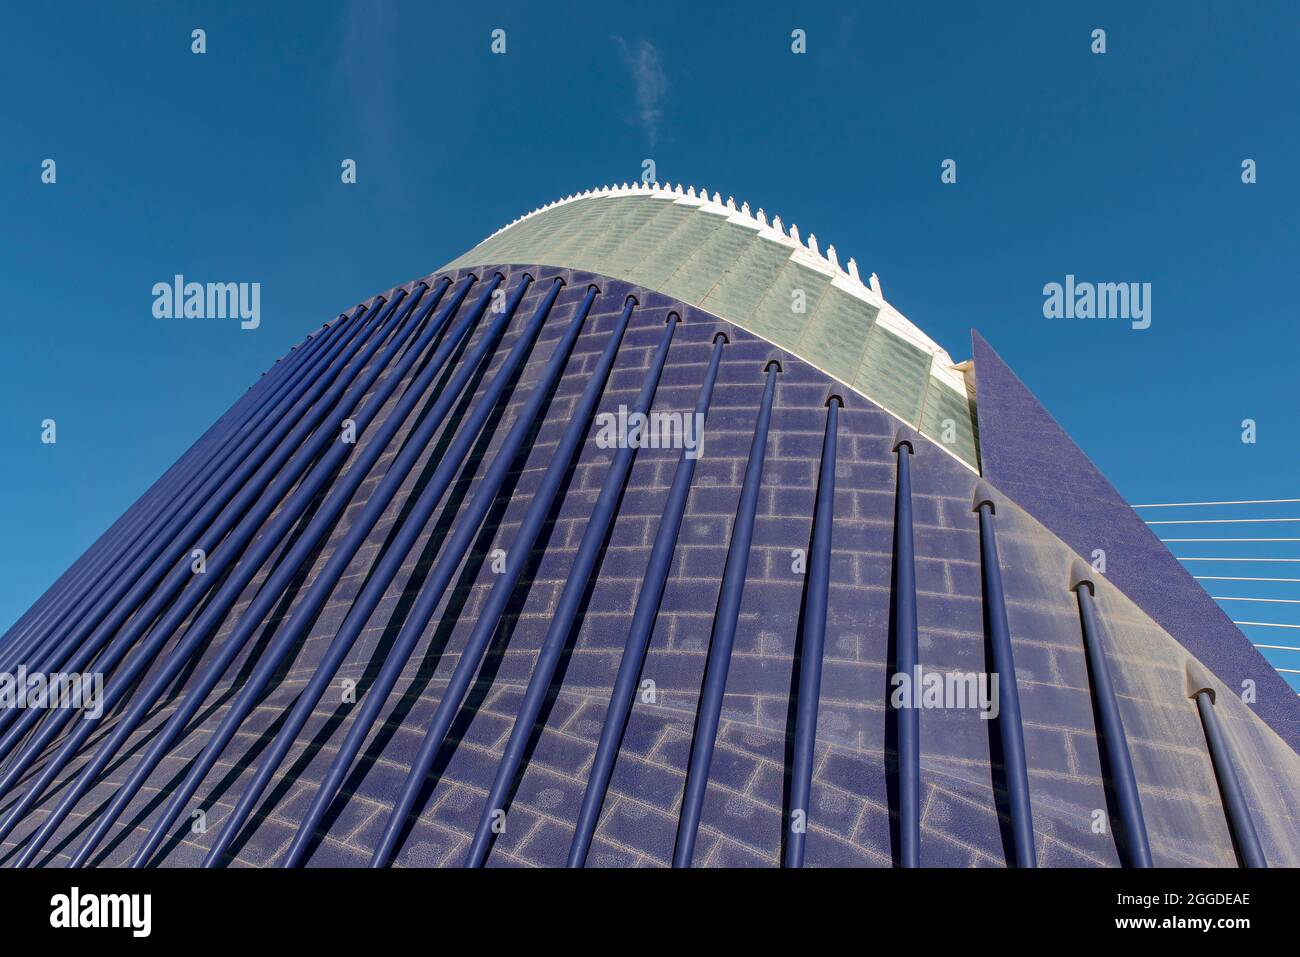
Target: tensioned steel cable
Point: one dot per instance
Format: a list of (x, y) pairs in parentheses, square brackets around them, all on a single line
[(1257, 501), (1221, 521), (1230, 539)]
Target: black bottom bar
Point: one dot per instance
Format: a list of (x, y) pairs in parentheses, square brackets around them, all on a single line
[(435, 908)]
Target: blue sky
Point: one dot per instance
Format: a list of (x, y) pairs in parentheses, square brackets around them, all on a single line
[(1117, 167)]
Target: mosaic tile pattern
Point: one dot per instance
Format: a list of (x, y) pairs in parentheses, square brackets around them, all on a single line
[(851, 821), (1031, 458), (709, 255)]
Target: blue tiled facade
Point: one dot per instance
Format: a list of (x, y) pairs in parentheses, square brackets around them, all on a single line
[(852, 820), (1030, 457)]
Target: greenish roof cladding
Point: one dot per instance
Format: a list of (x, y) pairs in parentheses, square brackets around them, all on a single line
[(736, 266)]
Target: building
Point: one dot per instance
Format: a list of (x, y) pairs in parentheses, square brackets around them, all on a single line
[(431, 593)]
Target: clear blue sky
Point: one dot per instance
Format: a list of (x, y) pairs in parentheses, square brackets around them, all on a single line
[(225, 166)]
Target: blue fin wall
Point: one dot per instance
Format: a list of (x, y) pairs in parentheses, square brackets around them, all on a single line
[(1026, 454)]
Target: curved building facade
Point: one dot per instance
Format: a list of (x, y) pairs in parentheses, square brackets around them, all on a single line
[(643, 533)]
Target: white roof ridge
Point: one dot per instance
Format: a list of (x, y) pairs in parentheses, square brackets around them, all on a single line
[(809, 253)]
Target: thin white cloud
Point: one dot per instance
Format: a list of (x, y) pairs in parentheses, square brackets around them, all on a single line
[(642, 61)]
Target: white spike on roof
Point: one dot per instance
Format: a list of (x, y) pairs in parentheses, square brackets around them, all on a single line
[(846, 276)]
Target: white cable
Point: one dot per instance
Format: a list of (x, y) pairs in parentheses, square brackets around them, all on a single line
[(1237, 559), (1256, 501), (1279, 647), (1238, 578), (1218, 521), (1265, 624), (1280, 601), (1230, 539)]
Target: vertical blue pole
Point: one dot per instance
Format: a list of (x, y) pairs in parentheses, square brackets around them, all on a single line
[(566, 611), (226, 592), (1009, 724), (467, 526), (1234, 799), (643, 622), (724, 633), (907, 662), (489, 616), (341, 491), (89, 609), (1119, 763), (385, 570), (814, 644), (248, 484)]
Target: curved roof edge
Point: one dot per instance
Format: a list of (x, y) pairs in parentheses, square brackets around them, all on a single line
[(716, 262), (807, 252)]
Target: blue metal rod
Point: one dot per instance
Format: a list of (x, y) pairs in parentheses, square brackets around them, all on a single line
[(70, 587), (379, 578), (301, 418), (288, 565), (155, 518), (907, 660), (566, 611), (1010, 729), (148, 515), (1119, 763), (440, 576), (1234, 799), (282, 481), (332, 453), (293, 417), (309, 606), (33, 635), (118, 648), (643, 621), (179, 535), (724, 633), (814, 644), (489, 616)]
